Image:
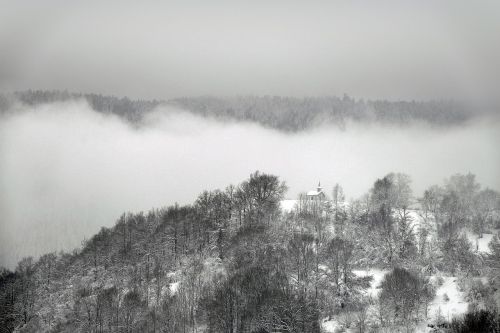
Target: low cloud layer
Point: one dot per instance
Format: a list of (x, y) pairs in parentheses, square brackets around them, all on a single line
[(66, 170)]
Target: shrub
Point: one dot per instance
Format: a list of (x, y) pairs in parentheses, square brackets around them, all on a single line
[(403, 295), (476, 321), (476, 292)]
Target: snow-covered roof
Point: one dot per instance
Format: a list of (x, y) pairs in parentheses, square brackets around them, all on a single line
[(314, 193)]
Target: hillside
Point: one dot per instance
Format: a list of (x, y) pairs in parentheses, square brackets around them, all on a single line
[(234, 262)]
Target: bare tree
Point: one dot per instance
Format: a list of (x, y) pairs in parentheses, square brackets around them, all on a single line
[(485, 203)]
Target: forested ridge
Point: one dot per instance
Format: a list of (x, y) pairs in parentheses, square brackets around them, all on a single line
[(235, 261), (289, 114)]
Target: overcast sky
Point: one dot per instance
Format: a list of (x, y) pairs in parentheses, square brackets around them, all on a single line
[(146, 49)]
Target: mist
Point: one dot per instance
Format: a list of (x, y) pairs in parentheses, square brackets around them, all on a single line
[(66, 170)]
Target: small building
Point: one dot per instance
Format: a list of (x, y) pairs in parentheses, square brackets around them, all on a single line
[(316, 195)]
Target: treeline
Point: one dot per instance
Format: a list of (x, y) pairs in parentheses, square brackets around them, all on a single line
[(234, 262), (282, 113), (296, 114), (130, 110)]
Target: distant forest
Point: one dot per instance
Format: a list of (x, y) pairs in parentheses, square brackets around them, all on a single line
[(289, 114)]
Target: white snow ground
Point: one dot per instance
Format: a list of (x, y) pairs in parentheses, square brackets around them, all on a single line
[(330, 326), (173, 287), (288, 205), (456, 304), (480, 244), (378, 276)]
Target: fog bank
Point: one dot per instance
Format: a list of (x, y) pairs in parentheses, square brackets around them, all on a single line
[(66, 170)]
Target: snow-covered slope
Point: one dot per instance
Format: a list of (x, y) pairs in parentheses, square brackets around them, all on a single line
[(449, 301)]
